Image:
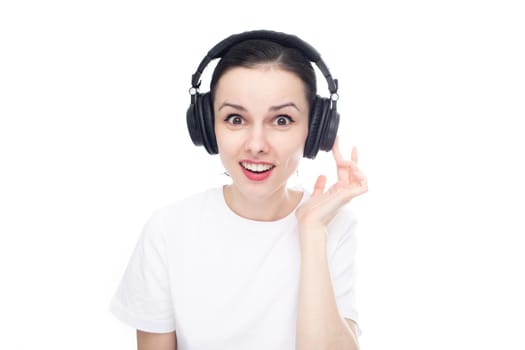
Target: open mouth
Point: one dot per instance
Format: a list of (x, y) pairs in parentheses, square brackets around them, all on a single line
[(257, 172), (257, 168)]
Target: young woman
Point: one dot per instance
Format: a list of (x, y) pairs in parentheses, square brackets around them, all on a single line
[(254, 264)]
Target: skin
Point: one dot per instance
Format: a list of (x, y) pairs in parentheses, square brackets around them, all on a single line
[(319, 324), (257, 101), (253, 110)]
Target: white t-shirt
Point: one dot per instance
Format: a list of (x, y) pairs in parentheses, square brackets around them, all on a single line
[(225, 282)]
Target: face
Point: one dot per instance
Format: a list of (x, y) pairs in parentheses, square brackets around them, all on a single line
[(261, 124)]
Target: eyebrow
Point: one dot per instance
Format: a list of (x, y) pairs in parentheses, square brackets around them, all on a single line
[(226, 104), (289, 104), (272, 108)]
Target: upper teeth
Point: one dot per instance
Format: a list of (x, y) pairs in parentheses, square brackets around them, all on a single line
[(259, 168)]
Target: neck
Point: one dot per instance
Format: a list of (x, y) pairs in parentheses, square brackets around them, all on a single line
[(269, 207)]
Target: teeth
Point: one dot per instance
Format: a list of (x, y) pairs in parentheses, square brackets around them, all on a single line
[(257, 168)]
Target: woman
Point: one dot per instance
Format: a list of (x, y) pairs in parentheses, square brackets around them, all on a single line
[(254, 264)]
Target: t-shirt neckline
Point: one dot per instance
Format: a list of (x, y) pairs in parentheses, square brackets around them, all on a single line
[(224, 207)]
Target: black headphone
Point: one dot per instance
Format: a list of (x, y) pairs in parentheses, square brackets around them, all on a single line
[(323, 120)]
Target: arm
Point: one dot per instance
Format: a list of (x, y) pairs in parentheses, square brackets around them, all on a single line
[(156, 341), (319, 323)]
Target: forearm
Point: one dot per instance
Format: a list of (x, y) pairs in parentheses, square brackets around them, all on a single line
[(319, 323), (156, 341)]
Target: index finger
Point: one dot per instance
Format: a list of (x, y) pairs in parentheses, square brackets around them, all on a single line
[(336, 152), (354, 154)]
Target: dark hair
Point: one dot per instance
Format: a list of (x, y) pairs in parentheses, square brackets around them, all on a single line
[(250, 53)]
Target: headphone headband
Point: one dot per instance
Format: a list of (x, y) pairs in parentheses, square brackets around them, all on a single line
[(284, 39)]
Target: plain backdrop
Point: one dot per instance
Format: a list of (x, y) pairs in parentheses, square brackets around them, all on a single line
[(93, 96)]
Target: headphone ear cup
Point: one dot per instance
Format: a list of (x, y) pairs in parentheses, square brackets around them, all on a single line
[(193, 122), (201, 124), (330, 126), (208, 123), (315, 128)]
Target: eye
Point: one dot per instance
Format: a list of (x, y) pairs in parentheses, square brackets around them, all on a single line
[(283, 120), (234, 119)]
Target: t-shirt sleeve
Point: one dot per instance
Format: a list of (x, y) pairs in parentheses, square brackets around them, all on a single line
[(343, 265), (142, 299)]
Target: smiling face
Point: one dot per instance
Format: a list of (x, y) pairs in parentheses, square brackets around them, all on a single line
[(261, 124)]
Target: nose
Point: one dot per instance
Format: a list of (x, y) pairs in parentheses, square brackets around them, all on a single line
[(256, 140)]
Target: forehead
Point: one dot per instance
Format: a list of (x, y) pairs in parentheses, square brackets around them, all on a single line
[(268, 81)]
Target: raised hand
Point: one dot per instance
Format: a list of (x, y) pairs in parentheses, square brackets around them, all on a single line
[(323, 205)]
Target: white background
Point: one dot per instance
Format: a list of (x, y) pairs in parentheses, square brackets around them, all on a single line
[(93, 97)]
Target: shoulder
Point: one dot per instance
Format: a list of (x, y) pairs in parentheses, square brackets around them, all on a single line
[(194, 202), (187, 209), (343, 226)]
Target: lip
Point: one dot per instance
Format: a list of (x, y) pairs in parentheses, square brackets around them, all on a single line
[(256, 176)]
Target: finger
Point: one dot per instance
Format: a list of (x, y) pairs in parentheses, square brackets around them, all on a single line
[(358, 176), (348, 164), (353, 191), (336, 152), (360, 179), (353, 177), (319, 185), (343, 166), (354, 155)]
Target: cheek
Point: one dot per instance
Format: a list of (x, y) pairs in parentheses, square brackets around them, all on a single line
[(226, 152), (224, 142), (294, 154), (295, 145), (228, 146)]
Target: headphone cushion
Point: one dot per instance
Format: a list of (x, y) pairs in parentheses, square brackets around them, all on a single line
[(315, 127), (207, 123), (193, 123), (329, 132)]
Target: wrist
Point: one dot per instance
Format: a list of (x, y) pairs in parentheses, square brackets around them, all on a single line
[(313, 236)]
